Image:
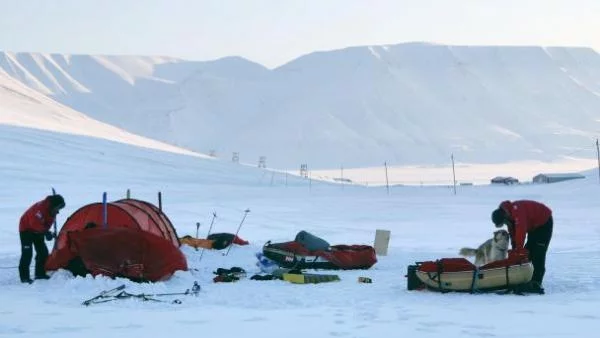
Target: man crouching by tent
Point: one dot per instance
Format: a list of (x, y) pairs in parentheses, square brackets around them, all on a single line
[(34, 226)]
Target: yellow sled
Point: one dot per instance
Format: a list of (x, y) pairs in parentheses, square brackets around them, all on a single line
[(309, 278)]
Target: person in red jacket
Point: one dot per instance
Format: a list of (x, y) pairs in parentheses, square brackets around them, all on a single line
[(34, 226), (534, 220)]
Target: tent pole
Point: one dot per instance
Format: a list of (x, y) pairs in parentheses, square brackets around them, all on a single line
[(104, 211), (159, 201)]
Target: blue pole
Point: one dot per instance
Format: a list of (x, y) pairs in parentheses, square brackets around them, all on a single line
[(104, 211)]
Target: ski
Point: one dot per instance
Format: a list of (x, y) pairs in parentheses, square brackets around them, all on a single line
[(112, 295), (103, 294)]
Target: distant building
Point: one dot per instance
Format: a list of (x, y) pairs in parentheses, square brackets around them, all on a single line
[(553, 178), (504, 180)]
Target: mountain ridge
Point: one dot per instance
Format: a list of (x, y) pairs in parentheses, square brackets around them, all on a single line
[(413, 103)]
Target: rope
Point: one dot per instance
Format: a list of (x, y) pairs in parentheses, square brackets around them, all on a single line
[(474, 280), (439, 274)]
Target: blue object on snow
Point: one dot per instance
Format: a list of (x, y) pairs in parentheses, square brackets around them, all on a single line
[(265, 264)]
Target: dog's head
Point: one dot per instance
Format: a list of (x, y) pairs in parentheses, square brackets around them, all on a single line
[(501, 238)]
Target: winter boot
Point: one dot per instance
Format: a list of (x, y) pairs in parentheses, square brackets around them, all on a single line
[(532, 287)]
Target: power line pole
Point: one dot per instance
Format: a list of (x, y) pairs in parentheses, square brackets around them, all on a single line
[(387, 182), (598, 155), (453, 173)]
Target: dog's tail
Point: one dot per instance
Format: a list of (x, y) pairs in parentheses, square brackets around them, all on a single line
[(467, 252)]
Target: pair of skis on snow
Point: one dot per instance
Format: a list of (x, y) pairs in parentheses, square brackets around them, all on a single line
[(119, 293)]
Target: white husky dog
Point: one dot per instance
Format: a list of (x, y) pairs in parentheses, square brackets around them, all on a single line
[(494, 249)]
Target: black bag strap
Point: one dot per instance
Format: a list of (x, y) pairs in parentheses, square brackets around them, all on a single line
[(474, 280)]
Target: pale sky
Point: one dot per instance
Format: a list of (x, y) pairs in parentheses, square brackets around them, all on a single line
[(273, 32)]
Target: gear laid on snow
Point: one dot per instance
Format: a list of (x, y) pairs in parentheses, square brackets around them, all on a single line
[(229, 275), (119, 293)]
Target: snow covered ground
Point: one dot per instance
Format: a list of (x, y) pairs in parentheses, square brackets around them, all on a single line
[(426, 223)]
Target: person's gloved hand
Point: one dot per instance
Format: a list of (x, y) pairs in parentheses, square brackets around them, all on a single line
[(519, 252), (49, 235)]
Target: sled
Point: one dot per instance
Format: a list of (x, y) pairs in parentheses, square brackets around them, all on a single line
[(458, 274), (337, 257), (309, 278), (308, 251)]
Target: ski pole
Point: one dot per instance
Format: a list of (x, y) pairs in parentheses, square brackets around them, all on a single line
[(237, 231), (193, 291), (197, 228), (214, 215)]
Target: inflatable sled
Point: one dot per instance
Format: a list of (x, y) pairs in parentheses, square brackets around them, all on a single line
[(458, 274), (311, 252)]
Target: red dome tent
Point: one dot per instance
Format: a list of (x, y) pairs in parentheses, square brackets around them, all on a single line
[(138, 242)]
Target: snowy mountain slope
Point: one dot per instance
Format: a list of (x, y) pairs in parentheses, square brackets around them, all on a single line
[(24, 107), (410, 103)]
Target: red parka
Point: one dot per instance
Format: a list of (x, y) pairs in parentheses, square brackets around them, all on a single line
[(526, 216), (37, 218)]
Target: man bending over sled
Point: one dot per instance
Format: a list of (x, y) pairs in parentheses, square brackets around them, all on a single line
[(533, 219)]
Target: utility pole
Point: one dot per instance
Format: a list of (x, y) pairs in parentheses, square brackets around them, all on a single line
[(453, 173), (387, 182), (598, 155)]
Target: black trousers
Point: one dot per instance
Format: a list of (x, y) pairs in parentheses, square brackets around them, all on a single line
[(537, 245), (30, 240)]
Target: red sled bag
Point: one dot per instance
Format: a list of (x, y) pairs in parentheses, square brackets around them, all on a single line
[(293, 255)]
